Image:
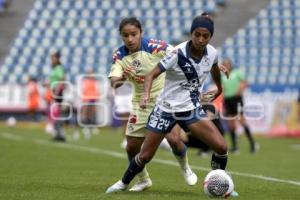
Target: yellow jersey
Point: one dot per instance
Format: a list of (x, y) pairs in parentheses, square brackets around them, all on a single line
[(135, 66)]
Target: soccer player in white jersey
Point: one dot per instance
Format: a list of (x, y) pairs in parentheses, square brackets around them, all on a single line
[(131, 62), (186, 68)]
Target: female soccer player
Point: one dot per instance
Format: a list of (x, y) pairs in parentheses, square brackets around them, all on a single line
[(132, 61), (56, 78), (186, 68)]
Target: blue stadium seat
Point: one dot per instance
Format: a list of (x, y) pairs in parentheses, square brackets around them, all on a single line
[(91, 26), (271, 45)]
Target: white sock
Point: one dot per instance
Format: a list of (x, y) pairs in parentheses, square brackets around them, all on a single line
[(143, 175), (183, 161)]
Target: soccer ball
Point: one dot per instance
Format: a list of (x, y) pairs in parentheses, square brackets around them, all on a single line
[(218, 183)]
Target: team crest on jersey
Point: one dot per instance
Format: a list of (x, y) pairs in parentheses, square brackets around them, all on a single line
[(136, 64), (205, 61)]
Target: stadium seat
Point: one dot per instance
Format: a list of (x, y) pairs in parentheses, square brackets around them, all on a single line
[(270, 44), (91, 25)]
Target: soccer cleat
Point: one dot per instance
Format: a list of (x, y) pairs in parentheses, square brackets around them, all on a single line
[(59, 139), (141, 185), (234, 194), (117, 187), (254, 148), (189, 176)]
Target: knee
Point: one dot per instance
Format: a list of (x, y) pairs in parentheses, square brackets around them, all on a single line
[(174, 140), (144, 158)]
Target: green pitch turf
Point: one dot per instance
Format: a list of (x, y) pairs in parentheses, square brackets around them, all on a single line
[(35, 168)]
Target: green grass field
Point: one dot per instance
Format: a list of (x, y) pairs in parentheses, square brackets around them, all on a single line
[(33, 167)]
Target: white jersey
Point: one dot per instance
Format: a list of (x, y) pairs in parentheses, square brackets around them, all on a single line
[(184, 77)]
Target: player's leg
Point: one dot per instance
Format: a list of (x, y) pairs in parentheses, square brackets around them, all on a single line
[(180, 152), (231, 108), (158, 125), (133, 148), (137, 164), (209, 134), (57, 122), (253, 146), (135, 134)]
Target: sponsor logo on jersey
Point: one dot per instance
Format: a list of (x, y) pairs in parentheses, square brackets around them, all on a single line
[(191, 85)]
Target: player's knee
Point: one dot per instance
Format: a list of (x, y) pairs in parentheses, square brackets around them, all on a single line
[(145, 158), (173, 140)]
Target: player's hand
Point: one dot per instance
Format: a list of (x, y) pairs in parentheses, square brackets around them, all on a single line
[(207, 97), (224, 69), (144, 101)]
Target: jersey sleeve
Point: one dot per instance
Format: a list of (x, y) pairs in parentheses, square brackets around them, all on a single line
[(216, 60), (160, 48), (116, 68), (169, 61)]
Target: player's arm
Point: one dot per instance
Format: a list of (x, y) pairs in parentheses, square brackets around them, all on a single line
[(116, 82), (243, 86), (116, 75), (210, 95), (216, 76), (148, 85), (213, 94)]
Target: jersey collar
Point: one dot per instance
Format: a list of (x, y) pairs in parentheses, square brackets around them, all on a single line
[(189, 53)]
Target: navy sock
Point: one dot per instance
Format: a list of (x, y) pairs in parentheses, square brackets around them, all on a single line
[(133, 169), (218, 161), (249, 135), (181, 153), (233, 140)]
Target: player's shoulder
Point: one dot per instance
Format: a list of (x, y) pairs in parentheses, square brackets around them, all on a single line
[(181, 48), (152, 45), (211, 49), (119, 53)]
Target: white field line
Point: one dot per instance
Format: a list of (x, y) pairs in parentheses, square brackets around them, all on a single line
[(295, 147), (124, 156)]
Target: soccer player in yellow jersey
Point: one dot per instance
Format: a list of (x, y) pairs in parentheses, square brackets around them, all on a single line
[(132, 61)]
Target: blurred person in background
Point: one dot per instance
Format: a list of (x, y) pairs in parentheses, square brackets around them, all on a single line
[(132, 61), (233, 88), (56, 78), (90, 94), (33, 98), (48, 99)]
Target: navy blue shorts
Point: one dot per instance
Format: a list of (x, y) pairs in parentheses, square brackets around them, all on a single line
[(163, 122)]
